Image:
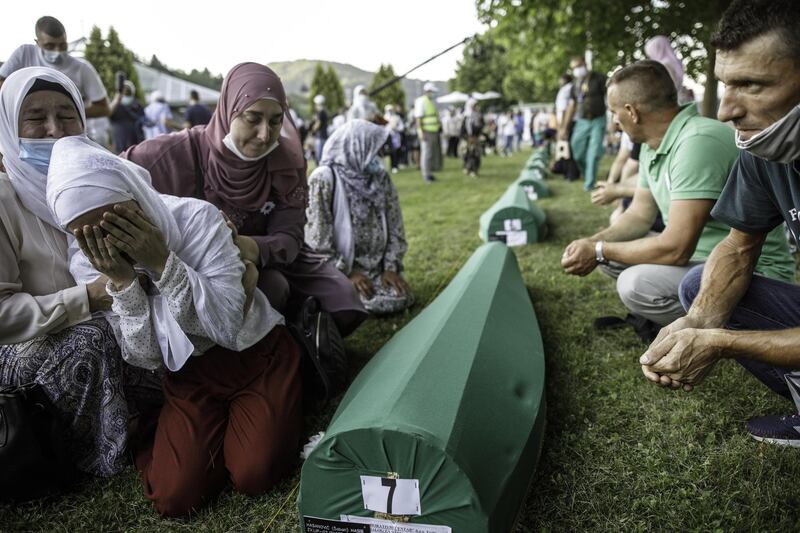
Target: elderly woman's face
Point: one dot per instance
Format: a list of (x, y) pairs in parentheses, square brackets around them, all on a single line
[(257, 127), (48, 114)]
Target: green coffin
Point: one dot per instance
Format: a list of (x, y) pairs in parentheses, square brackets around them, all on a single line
[(513, 219), (455, 401), (536, 163), (534, 188), (533, 173)]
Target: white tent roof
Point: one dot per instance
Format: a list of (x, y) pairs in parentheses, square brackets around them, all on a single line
[(489, 95), (453, 98)]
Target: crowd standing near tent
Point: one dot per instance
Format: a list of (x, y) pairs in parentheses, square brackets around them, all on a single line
[(189, 292)]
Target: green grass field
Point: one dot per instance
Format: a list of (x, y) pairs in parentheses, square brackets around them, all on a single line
[(619, 453)]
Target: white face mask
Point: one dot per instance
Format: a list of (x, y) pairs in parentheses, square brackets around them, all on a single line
[(579, 72), (52, 56), (780, 142), (126, 100), (230, 145)]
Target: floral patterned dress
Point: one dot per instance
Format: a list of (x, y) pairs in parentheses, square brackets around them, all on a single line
[(379, 240)]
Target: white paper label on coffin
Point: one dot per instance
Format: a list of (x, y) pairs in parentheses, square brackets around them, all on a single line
[(387, 526), (512, 224), (516, 238), (531, 192), (391, 496)]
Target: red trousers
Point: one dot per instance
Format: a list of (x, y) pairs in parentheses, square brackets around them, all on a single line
[(227, 415)]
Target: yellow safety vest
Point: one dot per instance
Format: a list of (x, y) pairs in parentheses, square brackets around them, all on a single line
[(430, 118)]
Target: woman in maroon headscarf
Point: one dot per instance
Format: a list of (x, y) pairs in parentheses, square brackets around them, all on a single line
[(248, 161)]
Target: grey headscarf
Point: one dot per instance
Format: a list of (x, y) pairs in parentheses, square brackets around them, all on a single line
[(348, 152)]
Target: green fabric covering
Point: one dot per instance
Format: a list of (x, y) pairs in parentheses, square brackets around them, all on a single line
[(513, 206), (537, 173), (455, 400), (534, 187), (537, 163)]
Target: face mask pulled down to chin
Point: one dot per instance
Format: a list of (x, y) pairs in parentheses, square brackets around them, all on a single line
[(230, 145), (779, 143)]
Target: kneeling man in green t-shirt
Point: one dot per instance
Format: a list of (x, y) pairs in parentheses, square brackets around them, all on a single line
[(684, 163)]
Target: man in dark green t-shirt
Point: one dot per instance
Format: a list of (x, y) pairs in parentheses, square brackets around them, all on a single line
[(735, 314)]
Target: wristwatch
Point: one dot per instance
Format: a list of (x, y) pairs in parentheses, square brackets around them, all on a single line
[(598, 253)]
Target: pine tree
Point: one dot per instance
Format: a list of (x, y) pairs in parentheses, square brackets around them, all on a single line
[(393, 94), (326, 82), (336, 91), (109, 56), (319, 85)]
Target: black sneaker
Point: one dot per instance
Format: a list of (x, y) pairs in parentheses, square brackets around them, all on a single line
[(430, 179), (774, 429)]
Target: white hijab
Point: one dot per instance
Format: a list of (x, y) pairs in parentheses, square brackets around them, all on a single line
[(83, 176), (28, 182)]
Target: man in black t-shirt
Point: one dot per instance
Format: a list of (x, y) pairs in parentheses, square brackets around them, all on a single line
[(197, 113), (735, 314), (587, 107)]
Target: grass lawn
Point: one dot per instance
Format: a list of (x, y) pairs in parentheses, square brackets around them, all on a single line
[(619, 453)]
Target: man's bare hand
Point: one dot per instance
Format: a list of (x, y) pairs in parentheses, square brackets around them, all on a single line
[(683, 356), (579, 258), (605, 193)]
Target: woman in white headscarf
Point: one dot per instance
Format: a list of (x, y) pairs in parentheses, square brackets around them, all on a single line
[(48, 337), (354, 217), (158, 116), (362, 107), (244, 391)]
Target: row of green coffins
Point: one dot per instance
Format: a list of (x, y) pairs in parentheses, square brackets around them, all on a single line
[(441, 431), (516, 218)]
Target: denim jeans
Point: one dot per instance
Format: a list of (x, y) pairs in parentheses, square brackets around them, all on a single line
[(767, 305)]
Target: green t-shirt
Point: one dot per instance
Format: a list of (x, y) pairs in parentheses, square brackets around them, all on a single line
[(693, 162)]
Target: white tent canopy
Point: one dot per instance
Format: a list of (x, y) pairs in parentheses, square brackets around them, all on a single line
[(489, 95), (455, 97)]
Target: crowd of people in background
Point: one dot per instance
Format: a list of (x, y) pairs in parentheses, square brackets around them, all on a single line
[(199, 240)]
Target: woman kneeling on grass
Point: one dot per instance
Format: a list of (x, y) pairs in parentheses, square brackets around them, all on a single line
[(47, 334), (179, 288), (354, 216)]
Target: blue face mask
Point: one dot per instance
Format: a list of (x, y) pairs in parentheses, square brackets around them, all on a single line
[(375, 166), (36, 153)]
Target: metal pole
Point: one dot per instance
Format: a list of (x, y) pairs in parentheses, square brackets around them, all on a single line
[(401, 76)]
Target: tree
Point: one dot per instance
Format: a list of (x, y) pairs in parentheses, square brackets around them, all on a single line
[(336, 91), (326, 82), (541, 35), (393, 94), (484, 67), (109, 56)]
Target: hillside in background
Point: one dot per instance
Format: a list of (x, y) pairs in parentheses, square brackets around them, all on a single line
[(296, 76)]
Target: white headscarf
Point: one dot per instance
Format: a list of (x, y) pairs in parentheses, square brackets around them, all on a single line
[(28, 182), (84, 176)]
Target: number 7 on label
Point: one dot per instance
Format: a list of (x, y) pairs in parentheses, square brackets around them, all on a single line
[(391, 496)]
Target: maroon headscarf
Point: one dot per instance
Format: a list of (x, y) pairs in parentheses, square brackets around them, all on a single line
[(247, 184)]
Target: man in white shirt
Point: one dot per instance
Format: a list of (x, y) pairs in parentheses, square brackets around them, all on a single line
[(50, 51)]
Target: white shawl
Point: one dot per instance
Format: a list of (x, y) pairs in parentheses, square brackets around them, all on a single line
[(214, 268)]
